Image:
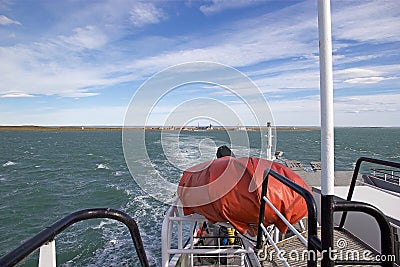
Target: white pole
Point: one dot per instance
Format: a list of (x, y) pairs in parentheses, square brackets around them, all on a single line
[(269, 141), (47, 255), (326, 88)]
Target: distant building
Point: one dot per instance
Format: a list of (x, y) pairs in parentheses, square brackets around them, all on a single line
[(240, 128)]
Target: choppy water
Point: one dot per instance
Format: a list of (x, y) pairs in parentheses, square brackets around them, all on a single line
[(47, 175)]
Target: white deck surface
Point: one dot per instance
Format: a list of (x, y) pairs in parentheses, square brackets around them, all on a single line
[(387, 203)]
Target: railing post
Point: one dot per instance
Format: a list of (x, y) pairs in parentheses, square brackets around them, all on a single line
[(262, 209), (47, 255), (327, 230), (165, 237)]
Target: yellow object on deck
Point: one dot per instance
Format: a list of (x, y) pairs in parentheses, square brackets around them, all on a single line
[(231, 232)]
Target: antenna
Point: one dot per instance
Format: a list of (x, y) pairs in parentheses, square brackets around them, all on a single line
[(269, 141)]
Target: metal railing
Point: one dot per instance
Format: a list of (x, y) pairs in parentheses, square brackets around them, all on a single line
[(387, 245), (313, 242), (49, 233), (390, 176), (175, 247), (355, 175)]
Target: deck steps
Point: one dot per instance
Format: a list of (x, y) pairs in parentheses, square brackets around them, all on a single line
[(295, 165), (346, 247), (315, 165)]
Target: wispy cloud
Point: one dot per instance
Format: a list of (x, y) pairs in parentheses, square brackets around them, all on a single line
[(15, 95), (47, 69), (7, 21), (366, 75), (364, 110), (357, 72), (144, 13), (373, 110), (215, 6), (88, 50), (373, 21), (89, 37), (366, 80), (247, 42)]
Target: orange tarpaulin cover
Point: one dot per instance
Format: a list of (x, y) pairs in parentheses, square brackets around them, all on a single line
[(229, 190)]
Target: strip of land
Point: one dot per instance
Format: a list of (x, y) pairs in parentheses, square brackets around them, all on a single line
[(168, 128), (57, 128)]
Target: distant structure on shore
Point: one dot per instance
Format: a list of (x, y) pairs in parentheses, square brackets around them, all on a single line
[(240, 128)]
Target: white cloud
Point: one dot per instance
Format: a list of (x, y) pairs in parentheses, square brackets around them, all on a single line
[(368, 110), (89, 37), (289, 82), (377, 103), (366, 75), (7, 21), (376, 21), (144, 13), (15, 95), (246, 42), (215, 6), (48, 70), (358, 110), (281, 53), (366, 80), (243, 44), (357, 72)]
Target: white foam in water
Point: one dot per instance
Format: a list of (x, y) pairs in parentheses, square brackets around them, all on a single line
[(191, 150), (102, 166), (116, 249), (9, 163), (113, 241), (118, 173), (102, 224)]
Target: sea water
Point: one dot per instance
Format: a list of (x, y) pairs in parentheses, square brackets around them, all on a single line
[(46, 175)]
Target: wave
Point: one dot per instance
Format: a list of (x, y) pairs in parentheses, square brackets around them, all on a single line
[(9, 163), (102, 224), (102, 166), (119, 173)]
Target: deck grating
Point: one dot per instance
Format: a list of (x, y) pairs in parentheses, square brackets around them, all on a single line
[(347, 247)]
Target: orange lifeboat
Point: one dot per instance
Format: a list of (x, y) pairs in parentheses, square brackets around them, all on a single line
[(228, 189)]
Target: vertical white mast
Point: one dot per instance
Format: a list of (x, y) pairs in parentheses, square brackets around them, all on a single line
[(327, 130), (326, 91), (269, 141)]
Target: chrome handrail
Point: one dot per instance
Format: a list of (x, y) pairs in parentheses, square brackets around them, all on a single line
[(49, 233)]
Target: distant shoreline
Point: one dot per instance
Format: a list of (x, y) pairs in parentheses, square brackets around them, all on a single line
[(57, 128), (193, 129), (105, 128)]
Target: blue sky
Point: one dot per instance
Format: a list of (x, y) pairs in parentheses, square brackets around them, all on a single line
[(81, 62)]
